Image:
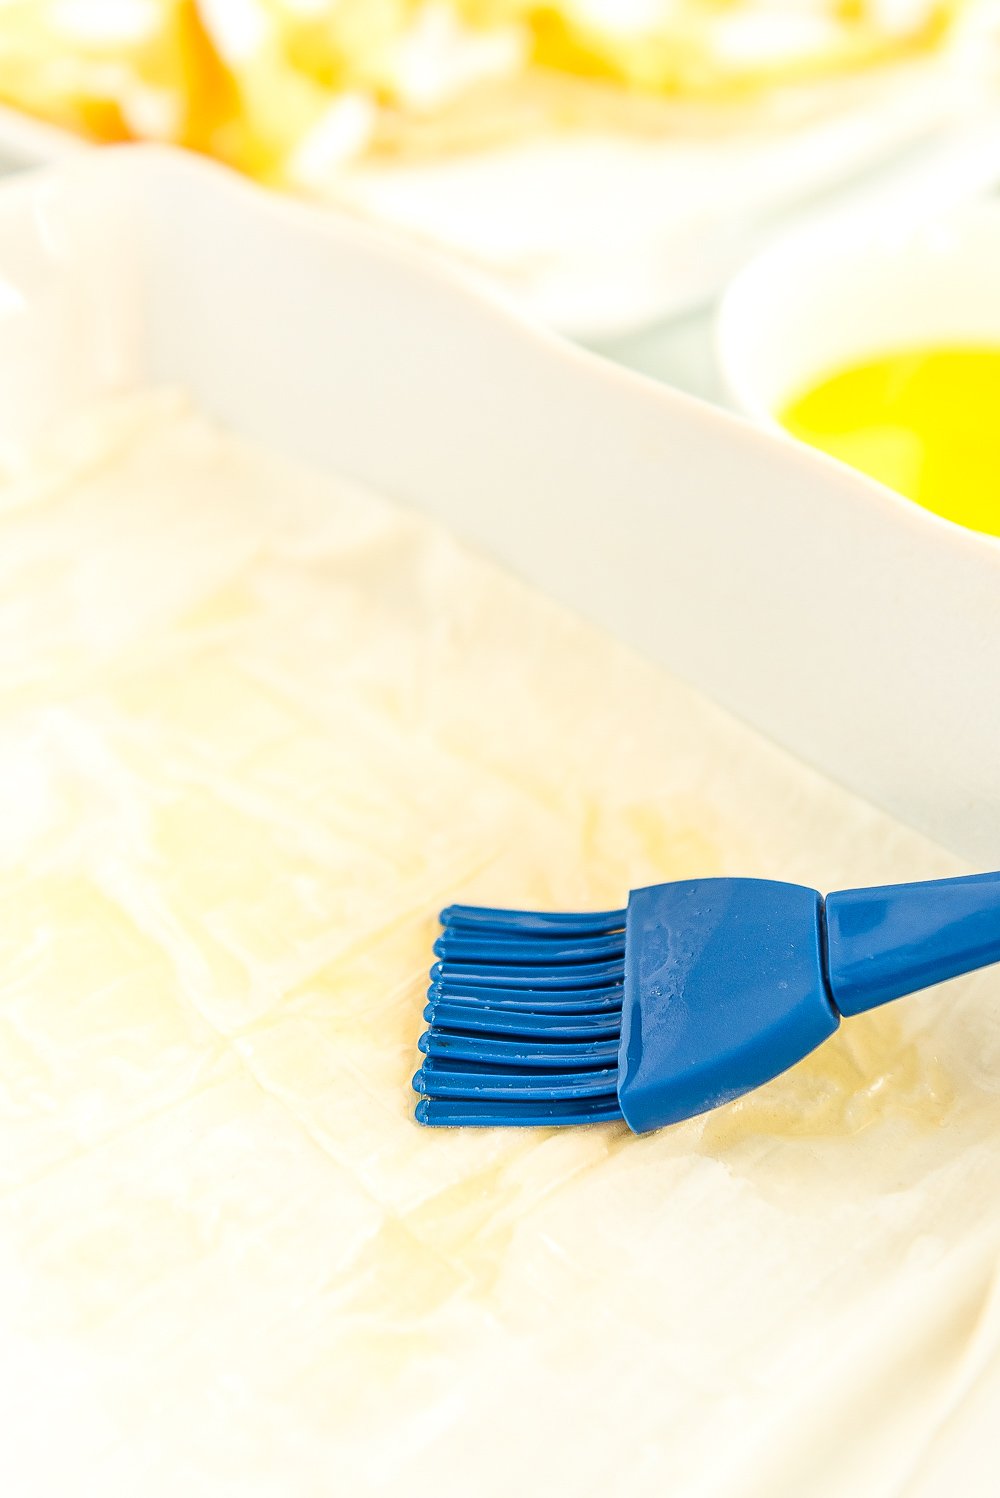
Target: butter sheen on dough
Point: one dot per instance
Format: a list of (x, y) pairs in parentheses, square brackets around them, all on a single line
[(256, 726)]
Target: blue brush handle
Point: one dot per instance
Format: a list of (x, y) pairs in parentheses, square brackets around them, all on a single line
[(891, 940)]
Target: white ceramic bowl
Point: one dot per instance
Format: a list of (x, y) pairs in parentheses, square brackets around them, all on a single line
[(849, 288)]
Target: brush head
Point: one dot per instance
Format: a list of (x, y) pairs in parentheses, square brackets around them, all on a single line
[(524, 1018), (696, 993)]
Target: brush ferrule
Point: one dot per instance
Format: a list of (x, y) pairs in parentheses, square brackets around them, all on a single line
[(724, 988)]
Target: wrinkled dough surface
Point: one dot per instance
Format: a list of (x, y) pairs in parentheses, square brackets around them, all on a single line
[(256, 727)]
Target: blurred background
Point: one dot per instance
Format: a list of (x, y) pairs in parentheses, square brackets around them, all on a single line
[(609, 163)]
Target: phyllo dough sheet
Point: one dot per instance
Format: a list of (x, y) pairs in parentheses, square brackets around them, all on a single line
[(256, 727)]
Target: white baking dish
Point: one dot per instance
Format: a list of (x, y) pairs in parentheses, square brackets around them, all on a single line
[(857, 630)]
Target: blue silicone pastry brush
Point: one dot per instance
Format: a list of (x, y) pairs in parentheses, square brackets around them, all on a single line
[(692, 995)]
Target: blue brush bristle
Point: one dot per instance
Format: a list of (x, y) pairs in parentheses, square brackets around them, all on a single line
[(524, 1019)]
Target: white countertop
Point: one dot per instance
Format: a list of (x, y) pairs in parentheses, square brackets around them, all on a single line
[(680, 352)]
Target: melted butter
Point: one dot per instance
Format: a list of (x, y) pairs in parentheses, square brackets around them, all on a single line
[(869, 1071), (921, 421)]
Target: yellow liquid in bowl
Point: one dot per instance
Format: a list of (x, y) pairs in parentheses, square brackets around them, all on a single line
[(926, 422)]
